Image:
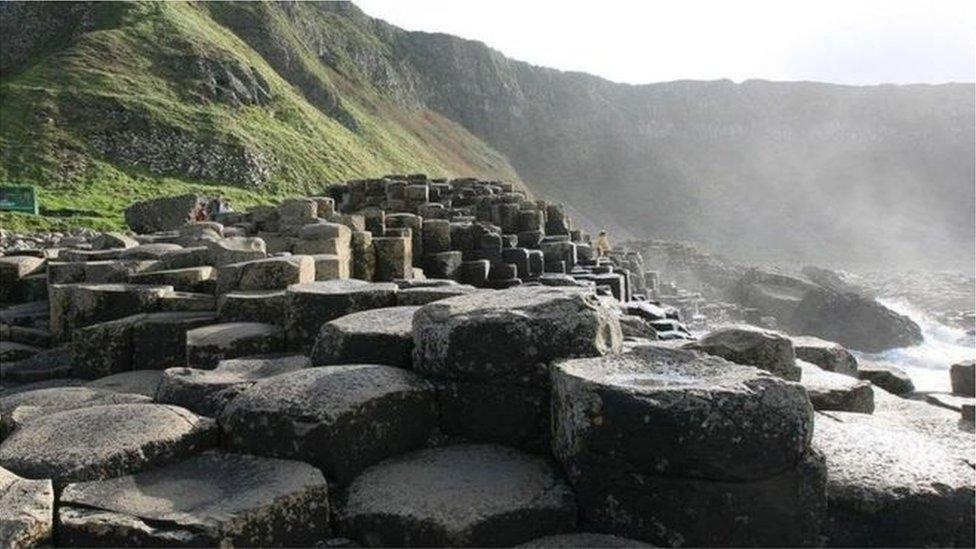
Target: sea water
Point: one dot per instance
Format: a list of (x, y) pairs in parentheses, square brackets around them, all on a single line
[(927, 363)]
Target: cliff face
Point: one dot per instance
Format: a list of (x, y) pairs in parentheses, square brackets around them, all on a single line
[(877, 175), (759, 170)]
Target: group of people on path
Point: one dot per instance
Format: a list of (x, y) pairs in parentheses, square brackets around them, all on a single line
[(207, 210)]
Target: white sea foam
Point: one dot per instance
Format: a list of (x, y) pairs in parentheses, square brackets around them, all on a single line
[(927, 363)]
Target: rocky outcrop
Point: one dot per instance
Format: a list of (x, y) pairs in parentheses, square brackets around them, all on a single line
[(804, 308), (854, 321), (162, 214), (679, 448), (608, 440), (763, 349)]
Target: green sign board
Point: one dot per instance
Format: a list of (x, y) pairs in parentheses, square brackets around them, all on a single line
[(18, 198)]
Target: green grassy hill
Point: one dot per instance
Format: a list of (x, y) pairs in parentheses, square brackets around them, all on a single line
[(103, 104)]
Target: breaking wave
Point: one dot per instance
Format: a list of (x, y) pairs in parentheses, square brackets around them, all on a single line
[(927, 363)]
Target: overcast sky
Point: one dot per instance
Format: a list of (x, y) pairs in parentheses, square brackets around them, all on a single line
[(842, 41)]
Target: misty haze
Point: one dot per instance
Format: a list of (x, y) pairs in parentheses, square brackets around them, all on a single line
[(439, 273)]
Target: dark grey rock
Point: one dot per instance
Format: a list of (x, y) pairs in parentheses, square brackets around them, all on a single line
[(469, 495), (889, 377), (752, 346), (43, 384), (214, 499), (11, 351), (234, 249), (187, 279), (376, 336), (159, 340), (149, 251), (785, 510), (802, 307), (143, 341), (677, 447), (185, 302), (207, 392), (272, 273), (423, 296), (25, 406), (583, 540), (140, 382), (74, 306), (311, 305), (963, 378), (161, 214), (496, 334), (834, 391), (100, 442), (266, 306), (338, 418), (667, 411), (825, 354), (854, 322), (208, 345), (491, 349), (47, 364), (635, 326)]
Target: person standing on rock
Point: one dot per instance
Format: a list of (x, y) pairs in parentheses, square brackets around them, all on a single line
[(200, 212), (602, 244)]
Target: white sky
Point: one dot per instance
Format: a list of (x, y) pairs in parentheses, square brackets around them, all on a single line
[(842, 41)]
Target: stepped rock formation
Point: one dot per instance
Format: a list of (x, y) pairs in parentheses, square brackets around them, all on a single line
[(401, 409)]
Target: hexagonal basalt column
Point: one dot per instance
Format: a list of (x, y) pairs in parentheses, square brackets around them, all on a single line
[(680, 448)]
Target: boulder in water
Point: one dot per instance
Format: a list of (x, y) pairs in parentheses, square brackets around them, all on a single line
[(803, 307)]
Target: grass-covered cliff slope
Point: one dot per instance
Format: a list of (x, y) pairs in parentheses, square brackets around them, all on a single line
[(106, 103)]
